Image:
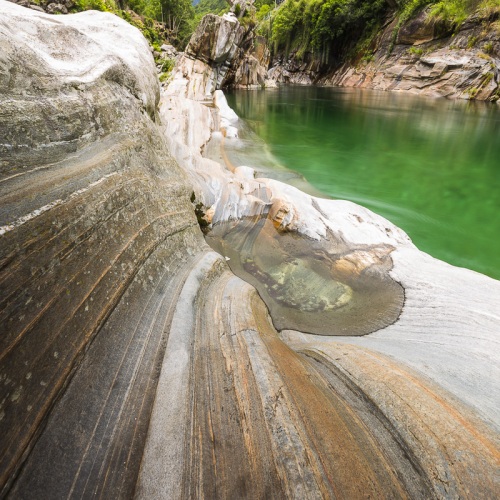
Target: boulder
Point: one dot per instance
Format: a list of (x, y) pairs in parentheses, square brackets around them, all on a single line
[(216, 39), (250, 74), (211, 58)]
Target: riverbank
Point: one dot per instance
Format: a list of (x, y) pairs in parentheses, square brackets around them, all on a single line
[(425, 55), (447, 323)]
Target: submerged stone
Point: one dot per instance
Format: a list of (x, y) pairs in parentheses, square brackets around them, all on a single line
[(322, 287)]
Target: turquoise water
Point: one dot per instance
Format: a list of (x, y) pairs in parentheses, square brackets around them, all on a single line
[(431, 166)]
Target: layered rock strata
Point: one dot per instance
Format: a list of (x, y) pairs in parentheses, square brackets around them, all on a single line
[(96, 236), (220, 53), (426, 379), (135, 363), (425, 58)]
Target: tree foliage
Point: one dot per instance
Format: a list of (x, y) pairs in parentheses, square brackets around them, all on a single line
[(332, 30), (325, 27)]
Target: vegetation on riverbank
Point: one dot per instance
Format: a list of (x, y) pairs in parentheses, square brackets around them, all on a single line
[(159, 20), (333, 30), (329, 31)]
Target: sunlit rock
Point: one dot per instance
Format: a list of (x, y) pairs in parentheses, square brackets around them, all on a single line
[(212, 49)]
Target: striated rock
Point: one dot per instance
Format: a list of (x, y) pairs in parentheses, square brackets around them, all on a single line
[(444, 72), (427, 59), (56, 8), (436, 65), (96, 234), (216, 39), (432, 368), (221, 53), (212, 49), (250, 74), (135, 363)]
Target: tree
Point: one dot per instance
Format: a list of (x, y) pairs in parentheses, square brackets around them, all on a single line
[(177, 16)]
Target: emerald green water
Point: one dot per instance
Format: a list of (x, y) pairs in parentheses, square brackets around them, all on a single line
[(431, 166)]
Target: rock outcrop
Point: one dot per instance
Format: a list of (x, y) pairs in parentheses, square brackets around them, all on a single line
[(428, 60), (430, 369), (425, 58), (135, 363), (49, 6), (221, 53), (96, 236), (213, 48)]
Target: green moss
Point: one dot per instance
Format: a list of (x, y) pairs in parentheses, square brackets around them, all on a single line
[(488, 47), (487, 79), (472, 40), (472, 92), (416, 51)]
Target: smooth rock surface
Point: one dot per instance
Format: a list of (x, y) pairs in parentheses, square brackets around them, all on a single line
[(429, 380), (97, 233), (134, 363)]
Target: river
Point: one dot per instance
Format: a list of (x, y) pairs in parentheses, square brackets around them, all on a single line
[(431, 166)]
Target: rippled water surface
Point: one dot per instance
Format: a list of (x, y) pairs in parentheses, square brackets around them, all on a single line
[(431, 166)]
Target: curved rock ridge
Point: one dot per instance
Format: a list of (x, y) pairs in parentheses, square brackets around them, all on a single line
[(444, 341), (134, 363), (240, 412), (96, 234)]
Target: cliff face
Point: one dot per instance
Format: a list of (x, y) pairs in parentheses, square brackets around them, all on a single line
[(135, 363), (426, 57)]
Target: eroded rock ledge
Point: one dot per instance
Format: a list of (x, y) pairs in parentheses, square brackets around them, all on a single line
[(134, 362), (425, 58)]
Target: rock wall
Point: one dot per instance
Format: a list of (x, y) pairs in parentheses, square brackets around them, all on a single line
[(220, 53), (425, 58), (96, 235)]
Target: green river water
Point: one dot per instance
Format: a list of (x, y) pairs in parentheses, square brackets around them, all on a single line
[(431, 166)]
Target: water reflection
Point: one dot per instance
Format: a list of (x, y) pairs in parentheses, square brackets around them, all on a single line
[(315, 287), (429, 165)]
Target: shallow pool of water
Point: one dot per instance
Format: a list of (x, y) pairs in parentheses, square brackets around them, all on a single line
[(320, 287)]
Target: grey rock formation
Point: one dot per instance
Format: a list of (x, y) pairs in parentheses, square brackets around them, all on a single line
[(213, 49), (425, 59), (250, 73), (221, 53), (462, 66), (425, 387), (96, 233)]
